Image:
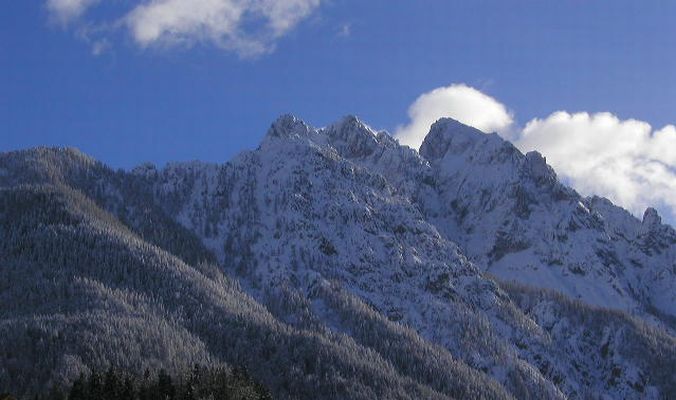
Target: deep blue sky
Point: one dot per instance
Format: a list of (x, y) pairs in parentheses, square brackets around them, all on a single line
[(131, 105)]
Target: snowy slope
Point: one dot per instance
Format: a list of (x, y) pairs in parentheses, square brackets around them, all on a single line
[(80, 289), (511, 215), (410, 234)]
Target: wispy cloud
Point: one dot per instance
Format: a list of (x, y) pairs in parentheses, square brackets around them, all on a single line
[(247, 27), (65, 11), (627, 161)]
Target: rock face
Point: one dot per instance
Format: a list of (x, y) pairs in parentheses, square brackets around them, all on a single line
[(342, 233)]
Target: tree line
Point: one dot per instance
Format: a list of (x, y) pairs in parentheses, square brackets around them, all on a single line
[(199, 383)]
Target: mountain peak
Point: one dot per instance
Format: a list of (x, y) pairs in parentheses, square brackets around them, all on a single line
[(350, 119), (288, 125), (349, 124), (538, 168), (449, 134), (651, 218), (351, 137)]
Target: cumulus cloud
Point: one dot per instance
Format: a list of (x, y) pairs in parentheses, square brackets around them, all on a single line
[(217, 21), (458, 101), (248, 27), (626, 161), (66, 11)]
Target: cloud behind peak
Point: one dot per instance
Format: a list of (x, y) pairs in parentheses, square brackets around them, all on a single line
[(458, 101), (626, 160)]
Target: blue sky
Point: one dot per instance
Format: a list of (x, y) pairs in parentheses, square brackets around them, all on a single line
[(103, 78)]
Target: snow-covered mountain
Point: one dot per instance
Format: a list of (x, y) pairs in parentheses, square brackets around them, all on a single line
[(467, 259), (408, 233), (515, 220)]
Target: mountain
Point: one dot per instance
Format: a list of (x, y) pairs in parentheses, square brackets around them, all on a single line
[(82, 291), (512, 217), (335, 263)]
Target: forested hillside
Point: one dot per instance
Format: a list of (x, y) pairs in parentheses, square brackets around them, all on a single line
[(82, 292)]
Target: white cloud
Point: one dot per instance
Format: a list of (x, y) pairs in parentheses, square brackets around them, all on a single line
[(66, 11), (626, 161), (283, 15), (247, 27), (459, 102)]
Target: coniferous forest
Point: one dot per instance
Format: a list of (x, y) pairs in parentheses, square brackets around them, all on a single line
[(198, 383)]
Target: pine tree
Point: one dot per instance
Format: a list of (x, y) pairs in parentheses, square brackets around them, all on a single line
[(128, 392), (56, 394), (77, 391), (111, 385), (165, 387), (94, 388)]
